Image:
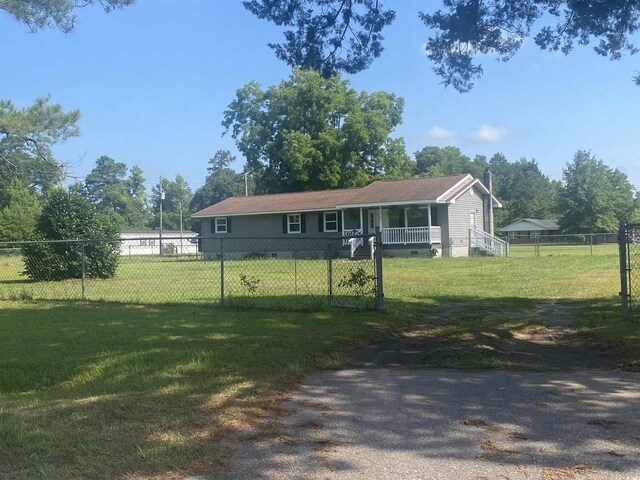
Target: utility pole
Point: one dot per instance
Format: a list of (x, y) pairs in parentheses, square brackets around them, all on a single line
[(161, 200), (180, 227)]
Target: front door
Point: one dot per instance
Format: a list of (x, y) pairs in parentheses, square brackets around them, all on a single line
[(374, 220), (473, 225)]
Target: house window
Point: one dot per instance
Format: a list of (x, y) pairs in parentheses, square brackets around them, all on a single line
[(294, 223), (221, 225), (330, 221)]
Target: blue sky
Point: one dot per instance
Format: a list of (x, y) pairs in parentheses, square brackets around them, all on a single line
[(152, 82)]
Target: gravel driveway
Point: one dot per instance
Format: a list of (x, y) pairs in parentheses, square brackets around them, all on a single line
[(390, 423)]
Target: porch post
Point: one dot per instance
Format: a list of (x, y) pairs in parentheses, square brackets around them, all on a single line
[(361, 225), (380, 217), (429, 222), (342, 211), (406, 224)]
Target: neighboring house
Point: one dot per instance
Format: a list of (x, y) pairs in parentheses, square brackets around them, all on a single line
[(147, 242), (530, 227), (415, 217)]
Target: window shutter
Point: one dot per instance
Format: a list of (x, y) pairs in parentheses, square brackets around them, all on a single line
[(213, 225), (339, 215), (320, 222), (303, 223), (284, 224), (228, 224), (402, 218)]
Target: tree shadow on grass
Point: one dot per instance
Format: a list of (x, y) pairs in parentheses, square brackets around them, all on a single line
[(103, 390)]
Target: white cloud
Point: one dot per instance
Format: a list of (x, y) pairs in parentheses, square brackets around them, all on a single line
[(489, 134), (438, 134)]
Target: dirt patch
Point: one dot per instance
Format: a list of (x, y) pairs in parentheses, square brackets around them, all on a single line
[(542, 337)]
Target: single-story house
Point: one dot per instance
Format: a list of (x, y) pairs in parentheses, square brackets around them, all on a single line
[(531, 228), (448, 215), (147, 242)]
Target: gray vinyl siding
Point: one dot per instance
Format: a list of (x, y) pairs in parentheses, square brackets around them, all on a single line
[(262, 229), (459, 222)]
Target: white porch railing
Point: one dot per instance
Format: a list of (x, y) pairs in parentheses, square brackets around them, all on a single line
[(487, 242), (354, 242), (404, 235)]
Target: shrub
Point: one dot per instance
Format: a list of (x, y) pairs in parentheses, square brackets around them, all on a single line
[(68, 216)]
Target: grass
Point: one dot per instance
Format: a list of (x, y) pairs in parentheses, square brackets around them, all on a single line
[(118, 390)]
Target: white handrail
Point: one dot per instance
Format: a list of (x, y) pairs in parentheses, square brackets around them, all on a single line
[(487, 242), (405, 235)]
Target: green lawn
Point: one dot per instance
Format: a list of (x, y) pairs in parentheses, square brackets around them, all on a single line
[(114, 390)]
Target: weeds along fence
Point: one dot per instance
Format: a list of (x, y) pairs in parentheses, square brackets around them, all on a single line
[(553, 245), (299, 273)]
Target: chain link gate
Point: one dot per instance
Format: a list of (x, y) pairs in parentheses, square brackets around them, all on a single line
[(629, 245)]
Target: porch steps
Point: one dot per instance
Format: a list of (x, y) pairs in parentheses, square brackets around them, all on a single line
[(483, 243), (363, 252)]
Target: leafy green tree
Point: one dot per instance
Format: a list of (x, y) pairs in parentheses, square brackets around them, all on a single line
[(525, 192), (319, 30), (67, 216), (175, 205), (222, 182), (26, 138), (438, 161), (56, 14), (106, 187), (137, 215), (124, 199), (346, 35), (18, 219), (594, 197), (466, 28), (312, 133)]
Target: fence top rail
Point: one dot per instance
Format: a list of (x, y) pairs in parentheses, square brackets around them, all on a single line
[(18, 243), (554, 235)]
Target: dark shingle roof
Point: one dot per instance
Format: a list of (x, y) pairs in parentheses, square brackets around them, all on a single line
[(425, 190)]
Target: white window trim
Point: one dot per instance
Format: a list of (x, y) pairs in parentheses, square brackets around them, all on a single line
[(215, 222), (298, 223), (332, 221)]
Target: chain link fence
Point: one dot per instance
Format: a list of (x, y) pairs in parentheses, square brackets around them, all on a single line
[(588, 244), (629, 251), (299, 273)]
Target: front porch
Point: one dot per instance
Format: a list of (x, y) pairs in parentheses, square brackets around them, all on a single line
[(403, 235), (410, 225)]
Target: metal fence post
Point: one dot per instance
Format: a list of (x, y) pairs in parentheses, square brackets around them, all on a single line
[(221, 272), (83, 274), (330, 273), (591, 243), (379, 291), (622, 249)]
